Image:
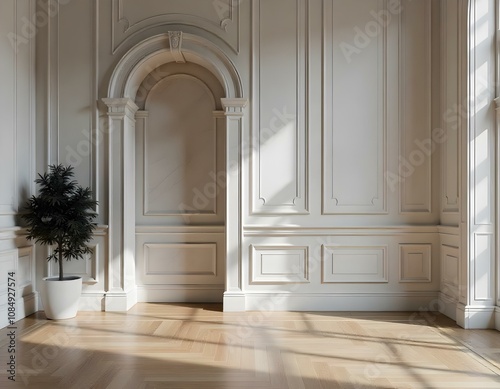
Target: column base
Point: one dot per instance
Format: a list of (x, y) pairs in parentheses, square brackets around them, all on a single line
[(476, 317), (120, 301), (234, 301)]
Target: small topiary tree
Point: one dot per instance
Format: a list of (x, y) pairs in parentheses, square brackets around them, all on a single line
[(62, 215)]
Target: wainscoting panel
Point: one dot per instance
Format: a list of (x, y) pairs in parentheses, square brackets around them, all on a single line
[(449, 271), (415, 262), (279, 264), (180, 261), (483, 269), (25, 271), (345, 265), (355, 264), (180, 264)]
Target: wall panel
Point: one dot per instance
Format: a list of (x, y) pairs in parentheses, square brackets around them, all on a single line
[(355, 264), (180, 259), (416, 145), (452, 106), (279, 264), (221, 18), (17, 159), (279, 133), (180, 151), (355, 109), (449, 271), (8, 97), (180, 263), (74, 97), (334, 104), (415, 263)]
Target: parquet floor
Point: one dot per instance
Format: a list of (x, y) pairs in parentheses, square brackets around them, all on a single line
[(198, 346)]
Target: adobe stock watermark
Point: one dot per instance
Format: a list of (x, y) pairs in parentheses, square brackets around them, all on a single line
[(75, 156), (417, 157), (42, 354), (425, 148), (203, 196), (364, 36), (39, 19)]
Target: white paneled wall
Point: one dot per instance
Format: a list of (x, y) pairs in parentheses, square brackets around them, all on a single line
[(478, 300), (367, 164), (17, 151), (353, 81), (279, 133), (337, 148), (348, 183)]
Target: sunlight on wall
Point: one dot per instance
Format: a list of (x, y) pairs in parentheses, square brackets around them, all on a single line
[(278, 148)]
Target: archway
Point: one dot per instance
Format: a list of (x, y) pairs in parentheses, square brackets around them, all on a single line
[(136, 65)]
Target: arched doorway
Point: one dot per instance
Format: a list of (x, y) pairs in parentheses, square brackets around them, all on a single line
[(128, 91)]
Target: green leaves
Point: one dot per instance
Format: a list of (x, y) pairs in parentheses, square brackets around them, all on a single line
[(61, 214)]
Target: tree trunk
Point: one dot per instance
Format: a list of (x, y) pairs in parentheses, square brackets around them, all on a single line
[(60, 262)]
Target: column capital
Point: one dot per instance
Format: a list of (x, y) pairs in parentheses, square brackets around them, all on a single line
[(118, 108), (141, 114), (234, 107)]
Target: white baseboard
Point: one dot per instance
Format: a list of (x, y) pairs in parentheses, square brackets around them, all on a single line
[(120, 301), (497, 318), (448, 306), (475, 317), (94, 302), (179, 293), (409, 301), (234, 301), (26, 305)]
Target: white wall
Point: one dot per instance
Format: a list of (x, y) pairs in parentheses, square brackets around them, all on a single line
[(346, 175), (17, 146), (347, 198), (453, 21), (479, 271)]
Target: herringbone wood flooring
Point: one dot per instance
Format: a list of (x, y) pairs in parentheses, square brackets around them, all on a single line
[(197, 346)]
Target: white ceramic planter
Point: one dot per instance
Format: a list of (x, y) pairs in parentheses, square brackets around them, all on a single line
[(60, 298)]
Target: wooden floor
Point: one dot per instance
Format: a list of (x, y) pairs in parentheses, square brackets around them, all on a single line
[(194, 346)]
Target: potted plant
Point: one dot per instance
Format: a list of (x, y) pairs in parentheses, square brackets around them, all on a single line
[(61, 215)]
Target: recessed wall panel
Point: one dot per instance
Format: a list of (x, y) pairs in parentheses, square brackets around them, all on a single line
[(180, 175), (415, 262), (449, 270), (417, 143), (74, 93), (342, 264), (452, 116), (355, 108), (483, 267), (8, 49), (180, 259), (279, 264), (220, 17), (278, 136)]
